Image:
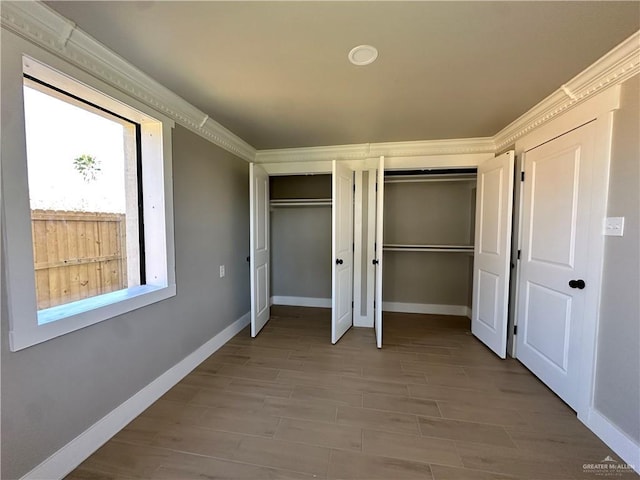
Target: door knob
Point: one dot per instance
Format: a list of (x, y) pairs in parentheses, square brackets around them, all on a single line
[(375, 262), (577, 284), (339, 261)]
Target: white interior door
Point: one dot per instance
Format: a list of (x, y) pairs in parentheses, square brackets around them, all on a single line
[(555, 223), (492, 252), (342, 249), (378, 253), (259, 214)]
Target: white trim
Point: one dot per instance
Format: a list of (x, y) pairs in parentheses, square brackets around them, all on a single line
[(429, 308), (80, 448), (314, 154), (297, 168), (373, 150), (616, 439), (612, 69), (43, 26), (371, 252), (155, 143), (301, 301), (586, 112), (462, 160), (603, 146), (598, 109)]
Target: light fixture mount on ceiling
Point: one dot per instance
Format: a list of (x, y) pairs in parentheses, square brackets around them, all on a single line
[(363, 55)]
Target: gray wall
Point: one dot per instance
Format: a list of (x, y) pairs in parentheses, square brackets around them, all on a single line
[(301, 239), (426, 278), (53, 391), (429, 212), (439, 213), (617, 393), (300, 186)]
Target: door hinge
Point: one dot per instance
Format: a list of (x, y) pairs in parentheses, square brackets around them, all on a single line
[(376, 186), (515, 329), (374, 304), (353, 247), (522, 176), (519, 253), (354, 188), (351, 303)]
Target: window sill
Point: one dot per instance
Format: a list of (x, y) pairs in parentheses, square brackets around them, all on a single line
[(94, 305), (56, 321)]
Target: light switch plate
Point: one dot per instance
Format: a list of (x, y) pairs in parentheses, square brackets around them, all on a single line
[(222, 272), (614, 226)]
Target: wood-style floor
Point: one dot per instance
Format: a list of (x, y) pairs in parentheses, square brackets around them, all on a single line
[(433, 403)]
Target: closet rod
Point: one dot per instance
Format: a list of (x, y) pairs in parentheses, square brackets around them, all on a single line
[(432, 172), (421, 179), (306, 202), (428, 248)]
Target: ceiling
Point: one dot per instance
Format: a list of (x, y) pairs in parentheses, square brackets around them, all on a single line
[(277, 75)]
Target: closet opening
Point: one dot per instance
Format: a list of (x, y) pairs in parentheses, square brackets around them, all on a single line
[(428, 241), (300, 209)]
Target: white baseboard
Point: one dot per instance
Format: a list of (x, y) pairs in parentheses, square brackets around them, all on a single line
[(434, 309), (624, 446), (80, 448), (301, 301), (362, 321)]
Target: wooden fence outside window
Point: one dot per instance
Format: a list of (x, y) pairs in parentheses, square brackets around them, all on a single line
[(77, 255)]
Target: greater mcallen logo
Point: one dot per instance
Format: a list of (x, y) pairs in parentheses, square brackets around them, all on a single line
[(608, 466)]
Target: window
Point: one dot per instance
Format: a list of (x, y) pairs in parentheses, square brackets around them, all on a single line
[(82, 164), (99, 217)]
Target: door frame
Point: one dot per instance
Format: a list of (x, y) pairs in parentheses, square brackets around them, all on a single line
[(378, 254), (390, 164), (313, 168), (600, 110)]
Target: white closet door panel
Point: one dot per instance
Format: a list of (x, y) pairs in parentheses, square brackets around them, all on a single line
[(342, 248), (259, 215), (378, 253), (492, 252), (555, 221)]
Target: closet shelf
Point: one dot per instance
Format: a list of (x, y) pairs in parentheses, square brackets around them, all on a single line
[(396, 247), (301, 202), (430, 178)]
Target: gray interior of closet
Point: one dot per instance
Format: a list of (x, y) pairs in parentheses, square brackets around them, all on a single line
[(429, 225), (300, 209)]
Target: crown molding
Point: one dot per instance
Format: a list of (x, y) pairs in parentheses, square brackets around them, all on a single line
[(372, 150), (610, 70), (46, 28), (43, 26), (314, 154)]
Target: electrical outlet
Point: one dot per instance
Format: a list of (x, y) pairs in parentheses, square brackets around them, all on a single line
[(222, 271), (614, 226)]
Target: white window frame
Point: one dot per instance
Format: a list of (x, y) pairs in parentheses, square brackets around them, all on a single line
[(27, 325)]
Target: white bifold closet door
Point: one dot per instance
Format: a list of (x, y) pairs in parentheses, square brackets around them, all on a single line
[(378, 252), (342, 251), (259, 218), (492, 252)]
